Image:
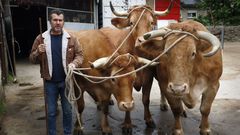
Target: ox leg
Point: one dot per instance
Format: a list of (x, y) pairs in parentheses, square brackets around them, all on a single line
[(177, 109), (163, 101), (184, 113), (146, 89), (106, 130), (127, 125), (78, 129), (206, 104)]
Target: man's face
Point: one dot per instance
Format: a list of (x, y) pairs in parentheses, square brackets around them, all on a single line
[(57, 23)]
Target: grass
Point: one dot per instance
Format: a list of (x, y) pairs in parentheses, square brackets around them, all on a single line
[(2, 108)]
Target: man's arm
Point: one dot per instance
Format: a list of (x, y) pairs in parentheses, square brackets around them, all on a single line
[(34, 55)]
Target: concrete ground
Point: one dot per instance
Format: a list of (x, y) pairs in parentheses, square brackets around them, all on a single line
[(25, 105)]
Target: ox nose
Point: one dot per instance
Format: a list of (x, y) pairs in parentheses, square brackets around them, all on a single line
[(126, 106), (178, 88)]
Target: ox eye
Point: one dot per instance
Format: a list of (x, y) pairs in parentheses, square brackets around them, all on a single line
[(167, 53), (193, 55), (152, 23), (131, 23), (113, 80)]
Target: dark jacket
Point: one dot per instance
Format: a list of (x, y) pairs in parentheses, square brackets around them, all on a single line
[(71, 53)]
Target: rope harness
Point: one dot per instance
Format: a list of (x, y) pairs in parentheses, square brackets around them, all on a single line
[(119, 47), (70, 78)]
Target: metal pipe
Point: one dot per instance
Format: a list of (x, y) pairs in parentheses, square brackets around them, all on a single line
[(3, 43)]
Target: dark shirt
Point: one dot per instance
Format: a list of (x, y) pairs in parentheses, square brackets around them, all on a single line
[(58, 73)]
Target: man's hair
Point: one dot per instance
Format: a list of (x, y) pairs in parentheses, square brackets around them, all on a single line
[(55, 11)]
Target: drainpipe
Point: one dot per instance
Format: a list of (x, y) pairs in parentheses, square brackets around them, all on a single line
[(10, 38), (3, 43)]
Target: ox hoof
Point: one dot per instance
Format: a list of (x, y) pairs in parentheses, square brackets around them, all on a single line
[(184, 114), (205, 132), (178, 132), (77, 132), (104, 133), (126, 130), (98, 107), (111, 102), (151, 124), (164, 107)]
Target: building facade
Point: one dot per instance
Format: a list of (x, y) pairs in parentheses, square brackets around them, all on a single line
[(189, 10)]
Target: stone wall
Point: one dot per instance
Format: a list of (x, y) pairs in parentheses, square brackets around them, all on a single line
[(231, 33)]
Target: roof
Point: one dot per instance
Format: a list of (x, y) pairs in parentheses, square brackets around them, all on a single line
[(29, 2), (190, 2)]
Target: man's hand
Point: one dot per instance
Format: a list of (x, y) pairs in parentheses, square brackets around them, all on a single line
[(71, 66), (41, 48)]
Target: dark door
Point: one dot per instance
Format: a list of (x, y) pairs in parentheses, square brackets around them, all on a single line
[(26, 27)]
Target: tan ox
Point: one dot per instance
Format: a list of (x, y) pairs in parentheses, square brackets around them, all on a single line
[(188, 70), (96, 50), (138, 20)]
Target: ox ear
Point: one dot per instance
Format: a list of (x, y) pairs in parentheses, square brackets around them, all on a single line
[(120, 22), (152, 48), (203, 46)]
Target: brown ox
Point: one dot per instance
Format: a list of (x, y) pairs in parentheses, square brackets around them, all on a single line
[(139, 20), (190, 69), (97, 48)]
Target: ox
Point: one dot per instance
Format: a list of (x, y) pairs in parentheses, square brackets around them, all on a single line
[(138, 20), (96, 53), (190, 68)]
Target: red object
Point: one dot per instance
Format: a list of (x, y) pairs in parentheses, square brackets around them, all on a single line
[(161, 5)]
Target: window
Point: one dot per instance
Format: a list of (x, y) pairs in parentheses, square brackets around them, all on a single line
[(192, 14)]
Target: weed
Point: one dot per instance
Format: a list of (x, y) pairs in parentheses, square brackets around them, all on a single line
[(2, 108)]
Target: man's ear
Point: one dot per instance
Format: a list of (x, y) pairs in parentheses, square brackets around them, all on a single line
[(120, 22)]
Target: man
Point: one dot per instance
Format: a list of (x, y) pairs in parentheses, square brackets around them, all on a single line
[(56, 50)]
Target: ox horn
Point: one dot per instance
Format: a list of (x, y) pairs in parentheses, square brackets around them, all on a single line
[(212, 39), (123, 14), (146, 61), (99, 62), (163, 13), (156, 33)]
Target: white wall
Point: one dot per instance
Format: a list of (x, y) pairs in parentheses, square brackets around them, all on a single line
[(76, 26), (163, 23), (119, 5)]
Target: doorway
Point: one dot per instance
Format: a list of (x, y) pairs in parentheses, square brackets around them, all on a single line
[(26, 26)]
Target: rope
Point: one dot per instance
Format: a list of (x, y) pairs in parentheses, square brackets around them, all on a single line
[(134, 71), (70, 80), (70, 94), (126, 37), (139, 8), (179, 31), (129, 55)]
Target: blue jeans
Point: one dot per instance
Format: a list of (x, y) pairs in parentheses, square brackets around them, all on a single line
[(53, 90)]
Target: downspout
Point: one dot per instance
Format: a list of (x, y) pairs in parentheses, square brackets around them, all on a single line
[(8, 26), (3, 43)]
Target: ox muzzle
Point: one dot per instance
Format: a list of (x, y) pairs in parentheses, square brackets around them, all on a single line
[(178, 89), (126, 106)]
